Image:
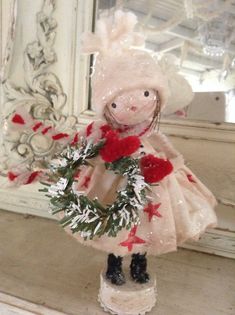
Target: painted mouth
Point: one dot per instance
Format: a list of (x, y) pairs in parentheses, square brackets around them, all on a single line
[(133, 108)]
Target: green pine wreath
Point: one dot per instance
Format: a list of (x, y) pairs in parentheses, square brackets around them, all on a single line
[(87, 216)]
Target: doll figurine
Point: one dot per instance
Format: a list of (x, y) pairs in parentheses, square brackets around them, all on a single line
[(129, 91), (181, 207)]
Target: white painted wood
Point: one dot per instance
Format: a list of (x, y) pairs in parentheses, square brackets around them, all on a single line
[(79, 89), (217, 242), (222, 132), (11, 305), (225, 213), (76, 20), (8, 15), (170, 45), (33, 82), (24, 199)]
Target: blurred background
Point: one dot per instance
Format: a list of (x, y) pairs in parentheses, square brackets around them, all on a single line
[(201, 35)]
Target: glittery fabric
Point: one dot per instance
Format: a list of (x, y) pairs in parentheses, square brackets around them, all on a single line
[(184, 206), (136, 69)]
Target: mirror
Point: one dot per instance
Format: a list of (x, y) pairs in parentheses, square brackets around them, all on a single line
[(201, 34)]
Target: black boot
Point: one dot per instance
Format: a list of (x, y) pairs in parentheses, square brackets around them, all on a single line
[(138, 268), (114, 271)]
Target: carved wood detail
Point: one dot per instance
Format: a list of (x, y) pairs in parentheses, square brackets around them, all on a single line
[(44, 99)]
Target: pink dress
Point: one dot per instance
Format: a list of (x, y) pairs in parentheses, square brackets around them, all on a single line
[(181, 207)]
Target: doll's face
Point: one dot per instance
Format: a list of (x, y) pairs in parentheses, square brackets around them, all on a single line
[(133, 107)]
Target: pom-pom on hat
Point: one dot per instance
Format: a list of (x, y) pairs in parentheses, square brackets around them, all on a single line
[(120, 63)]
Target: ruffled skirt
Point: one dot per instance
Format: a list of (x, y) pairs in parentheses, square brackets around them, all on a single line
[(181, 209)]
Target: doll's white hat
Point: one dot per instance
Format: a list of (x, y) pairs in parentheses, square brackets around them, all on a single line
[(119, 65), (131, 70), (180, 92)]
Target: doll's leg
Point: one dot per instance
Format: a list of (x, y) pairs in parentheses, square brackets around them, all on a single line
[(114, 271), (138, 268)]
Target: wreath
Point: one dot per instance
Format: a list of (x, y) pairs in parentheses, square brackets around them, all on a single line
[(88, 216)]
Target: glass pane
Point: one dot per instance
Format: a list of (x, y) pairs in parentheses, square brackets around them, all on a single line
[(201, 35)]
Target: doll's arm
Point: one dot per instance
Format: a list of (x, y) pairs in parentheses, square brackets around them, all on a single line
[(20, 174), (162, 144)]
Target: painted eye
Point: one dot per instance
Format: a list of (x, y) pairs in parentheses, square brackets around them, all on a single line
[(114, 105), (146, 93)]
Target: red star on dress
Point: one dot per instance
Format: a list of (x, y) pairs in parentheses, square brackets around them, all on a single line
[(132, 239), (151, 209), (190, 178), (86, 181)]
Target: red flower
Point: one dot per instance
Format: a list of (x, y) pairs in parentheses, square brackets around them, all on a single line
[(104, 129), (155, 169), (115, 148)]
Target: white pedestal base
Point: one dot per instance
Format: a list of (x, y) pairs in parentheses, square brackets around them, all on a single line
[(129, 299)]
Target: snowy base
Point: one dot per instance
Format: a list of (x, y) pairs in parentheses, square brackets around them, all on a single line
[(129, 299)]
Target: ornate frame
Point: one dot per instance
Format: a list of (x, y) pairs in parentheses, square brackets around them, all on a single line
[(43, 97)]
